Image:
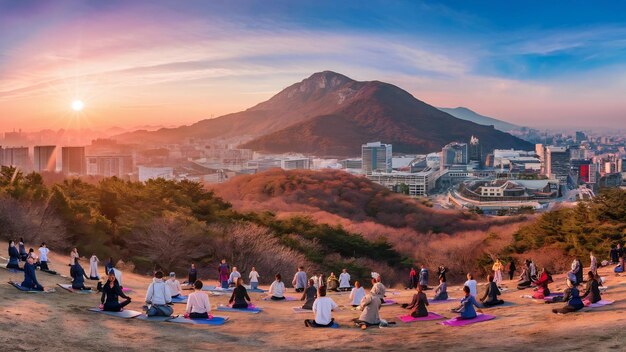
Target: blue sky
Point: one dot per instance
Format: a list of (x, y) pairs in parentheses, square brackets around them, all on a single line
[(542, 64)]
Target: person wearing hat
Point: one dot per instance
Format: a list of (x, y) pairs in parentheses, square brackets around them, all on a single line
[(174, 285)]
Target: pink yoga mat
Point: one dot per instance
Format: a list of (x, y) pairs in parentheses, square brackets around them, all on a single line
[(410, 319), (432, 301), (462, 322)]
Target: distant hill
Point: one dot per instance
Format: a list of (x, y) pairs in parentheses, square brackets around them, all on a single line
[(329, 114), (469, 115)]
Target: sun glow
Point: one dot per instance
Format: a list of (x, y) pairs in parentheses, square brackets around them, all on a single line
[(78, 105)]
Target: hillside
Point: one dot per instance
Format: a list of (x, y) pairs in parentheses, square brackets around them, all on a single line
[(329, 114), (469, 115)]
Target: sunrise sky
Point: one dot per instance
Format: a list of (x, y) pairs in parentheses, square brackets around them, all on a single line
[(134, 63)]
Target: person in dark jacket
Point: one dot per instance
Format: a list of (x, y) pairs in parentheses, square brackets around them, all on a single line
[(572, 297), (193, 274), (418, 304), (592, 290), (239, 298), (613, 254), (412, 278), (111, 291), (512, 269), (30, 278), (223, 271), (309, 295), (492, 292), (525, 278), (22, 250), (78, 276), (14, 257)]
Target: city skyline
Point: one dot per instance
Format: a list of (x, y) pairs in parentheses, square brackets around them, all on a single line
[(168, 64)]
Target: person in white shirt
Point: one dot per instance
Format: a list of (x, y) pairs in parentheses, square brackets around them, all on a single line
[(277, 289), (174, 285), (316, 281), (43, 256), (344, 280), (471, 283), (322, 308), (254, 279), (158, 297), (234, 275), (93, 268), (198, 305), (357, 294)]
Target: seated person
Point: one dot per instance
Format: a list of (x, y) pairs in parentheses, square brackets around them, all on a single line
[(78, 276), (492, 292), (572, 297), (30, 279), (174, 285), (332, 283), (198, 305), (322, 307), (524, 278), (542, 290), (277, 289), (370, 307), (309, 296), (234, 276), (14, 256), (357, 294), (111, 291), (344, 280), (472, 284), (158, 297), (592, 290), (466, 309), (239, 299), (441, 292), (418, 304)]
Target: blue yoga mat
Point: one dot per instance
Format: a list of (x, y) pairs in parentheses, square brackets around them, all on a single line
[(179, 299), (125, 314), (240, 310), (334, 326), (214, 321), (153, 318)]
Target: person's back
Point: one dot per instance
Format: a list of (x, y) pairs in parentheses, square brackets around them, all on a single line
[(471, 283), (491, 293), (174, 286), (356, 295), (239, 298), (423, 281), (573, 298), (421, 301), (467, 307), (323, 307), (198, 305), (30, 278), (370, 306), (310, 294), (77, 274)]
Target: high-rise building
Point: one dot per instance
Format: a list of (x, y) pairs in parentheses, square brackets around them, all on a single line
[(45, 158), (557, 163), (110, 165), (454, 154), (17, 157), (376, 157), (475, 151), (73, 161), (580, 136)]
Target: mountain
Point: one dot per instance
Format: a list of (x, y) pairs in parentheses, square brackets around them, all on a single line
[(469, 115), (329, 114)]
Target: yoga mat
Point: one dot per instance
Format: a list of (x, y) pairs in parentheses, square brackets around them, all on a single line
[(254, 310), (462, 322), (24, 289), (126, 290), (410, 319), (179, 299), (334, 326), (600, 303), (552, 295), (216, 289), (156, 318), (300, 310), (15, 271), (69, 288), (287, 299), (125, 314), (450, 299), (258, 290), (51, 272), (389, 302), (215, 321)]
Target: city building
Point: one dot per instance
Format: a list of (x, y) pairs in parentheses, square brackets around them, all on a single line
[(17, 157), (454, 154), (120, 166), (296, 163), (557, 163), (475, 151), (580, 136), (414, 184), (352, 163), (146, 173), (376, 157), (73, 161), (45, 158)]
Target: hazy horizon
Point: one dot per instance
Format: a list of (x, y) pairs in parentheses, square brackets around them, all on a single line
[(160, 63)]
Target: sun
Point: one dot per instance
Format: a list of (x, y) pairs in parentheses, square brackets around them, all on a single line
[(78, 105)]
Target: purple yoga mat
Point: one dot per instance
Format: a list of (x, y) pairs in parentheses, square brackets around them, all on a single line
[(552, 296), (430, 316), (600, 303), (462, 322), (389, 302)]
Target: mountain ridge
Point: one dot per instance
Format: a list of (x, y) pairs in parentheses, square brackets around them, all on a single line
[(468, 114)]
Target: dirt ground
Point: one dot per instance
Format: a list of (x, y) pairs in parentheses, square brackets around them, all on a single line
[(60, 322)]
